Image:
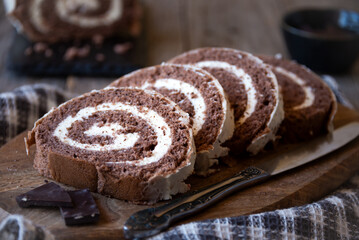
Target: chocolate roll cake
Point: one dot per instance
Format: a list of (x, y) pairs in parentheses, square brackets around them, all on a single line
[(309, 104), (252, 90), (55, 20), (200, 95), (130, 144)]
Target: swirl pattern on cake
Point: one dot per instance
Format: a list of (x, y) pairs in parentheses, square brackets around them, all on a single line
[(252, 90), (309, 104), (197, 93), (131, 144), (52, 20)]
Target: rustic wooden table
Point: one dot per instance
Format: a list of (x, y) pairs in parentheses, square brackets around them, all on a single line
[(173, 27)]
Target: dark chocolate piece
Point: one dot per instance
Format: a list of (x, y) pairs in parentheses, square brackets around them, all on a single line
[(84, 211), (47, 195)]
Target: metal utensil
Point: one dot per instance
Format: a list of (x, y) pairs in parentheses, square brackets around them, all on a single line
[(151, 221)]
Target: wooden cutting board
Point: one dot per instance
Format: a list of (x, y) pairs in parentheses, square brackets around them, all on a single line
[(297, 187)]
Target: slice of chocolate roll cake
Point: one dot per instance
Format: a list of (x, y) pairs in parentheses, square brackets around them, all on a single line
[(130, 144), (55, 20), (309, 104), (200, 95), (252, 90)]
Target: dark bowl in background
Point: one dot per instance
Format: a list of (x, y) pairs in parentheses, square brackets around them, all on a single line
[(325, 40)]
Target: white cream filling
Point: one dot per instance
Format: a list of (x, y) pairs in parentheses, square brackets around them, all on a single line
[(188, 90), (9, 5), (308, 91), (277, 114), (36, 16), (246, 80), (121, 141), (274, 122), (65, 10), (206, 159), (174, 183), (114, 12)]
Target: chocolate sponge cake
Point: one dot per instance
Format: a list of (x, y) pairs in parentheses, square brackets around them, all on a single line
[(197, 93), (309, 104), (130, 144), (252, 90), (55, 20)]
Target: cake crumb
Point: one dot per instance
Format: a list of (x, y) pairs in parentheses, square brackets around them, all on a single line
[(97, 39), (40, 47), (278, 56), (84, 51), (74, 52), (122, 48), (70, 54), (100, 57), (48, 53), (28, 51)]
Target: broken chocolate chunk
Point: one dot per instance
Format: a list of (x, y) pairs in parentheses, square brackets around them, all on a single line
[(47, 195), (84, 211)]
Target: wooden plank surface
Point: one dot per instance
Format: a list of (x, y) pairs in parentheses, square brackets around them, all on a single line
[(171, 27), (296, 187)]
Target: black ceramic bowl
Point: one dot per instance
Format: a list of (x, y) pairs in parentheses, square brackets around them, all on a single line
[(325, 40)]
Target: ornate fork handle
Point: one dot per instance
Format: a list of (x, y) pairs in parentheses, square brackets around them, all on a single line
[(151, 221)]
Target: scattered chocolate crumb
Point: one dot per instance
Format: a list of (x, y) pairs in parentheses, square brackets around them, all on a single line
[(46, 181), (122, 48), (84, 51), (70, 54), (98, 39), (28, 51), (100, 57), (74, 52), (48, 53), (40, 47)]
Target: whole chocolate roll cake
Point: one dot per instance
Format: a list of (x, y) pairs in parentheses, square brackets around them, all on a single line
[(130, 144), (252, 90), (309, 104), (197, 93), (55, 20)]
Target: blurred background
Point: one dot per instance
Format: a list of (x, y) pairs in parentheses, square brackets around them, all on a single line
[(171, 27)]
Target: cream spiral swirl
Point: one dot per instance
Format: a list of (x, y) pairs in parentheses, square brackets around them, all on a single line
[(121, 141), (128, 143), (119, 128), (308, 91), (74, 12), (246, 81), (252, 90)]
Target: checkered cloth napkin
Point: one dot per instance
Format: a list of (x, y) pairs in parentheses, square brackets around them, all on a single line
[(334, 217), (20, 108)]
